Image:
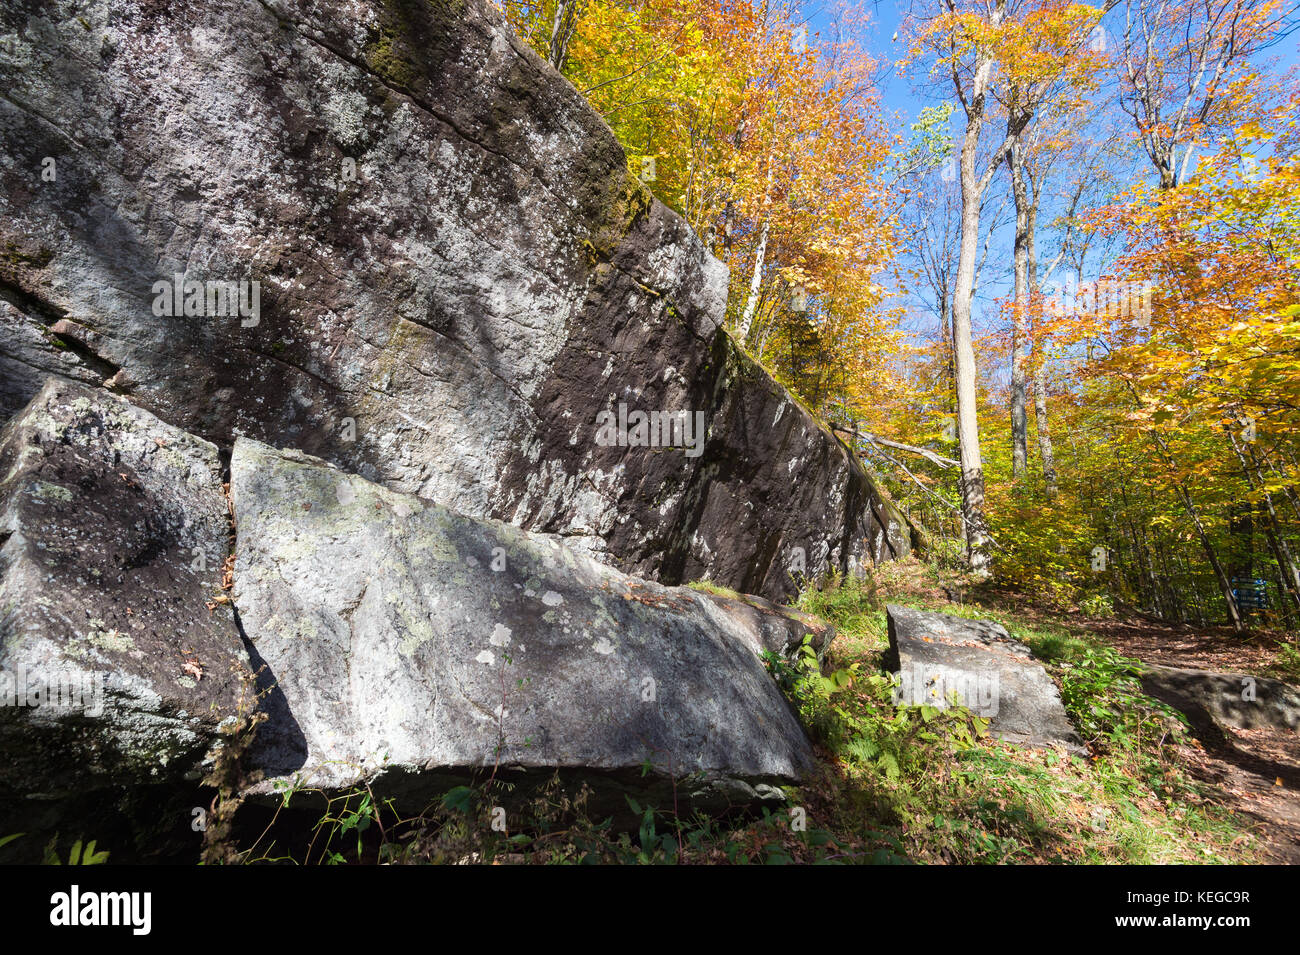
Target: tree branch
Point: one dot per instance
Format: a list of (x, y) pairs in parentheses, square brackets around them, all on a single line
[(936, 459)]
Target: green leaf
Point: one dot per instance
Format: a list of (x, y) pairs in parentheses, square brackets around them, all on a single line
[(90, 857), (889, 763), (460, 799), (647, 833)]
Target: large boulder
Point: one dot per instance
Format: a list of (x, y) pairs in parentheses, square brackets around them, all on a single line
[(388, 640), (119, 653), (449, 275), (408, 642), (938, 656), (1231, 699)]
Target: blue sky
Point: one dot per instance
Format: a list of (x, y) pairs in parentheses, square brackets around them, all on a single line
[(898, 96), (887, 17)]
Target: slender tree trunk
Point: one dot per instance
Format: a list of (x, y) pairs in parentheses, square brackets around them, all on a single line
[(1287, 490), (566, 18), (1145, 576), (1041, 423), (946, 309), (1198, 605), (1171, 592), (1044, 430), (1225, 585), (1287, 569), (972, 466), (755, 287), (1147, 569), (1020, 311), (950, 368), (1230, 602)]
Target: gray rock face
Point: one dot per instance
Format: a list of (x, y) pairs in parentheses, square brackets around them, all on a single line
[(406, 638), (113, 532), (937, 654), (455, 275), (389, 633), (1232, 699)]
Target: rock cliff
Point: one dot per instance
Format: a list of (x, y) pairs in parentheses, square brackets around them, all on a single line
[(389, 235)]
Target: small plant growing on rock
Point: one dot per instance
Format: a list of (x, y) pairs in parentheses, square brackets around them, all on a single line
[(230, 778)]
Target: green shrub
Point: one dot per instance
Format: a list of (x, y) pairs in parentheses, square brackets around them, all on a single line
[(1097, 605)]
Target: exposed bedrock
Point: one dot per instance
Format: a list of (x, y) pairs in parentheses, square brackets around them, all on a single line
[(390, 641), (454, 274)]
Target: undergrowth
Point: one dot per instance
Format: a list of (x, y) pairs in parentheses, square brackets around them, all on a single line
[(959, 800)]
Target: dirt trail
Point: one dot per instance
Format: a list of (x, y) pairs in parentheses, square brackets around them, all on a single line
[(1255, 773)]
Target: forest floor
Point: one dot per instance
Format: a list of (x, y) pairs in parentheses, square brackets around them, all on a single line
[(1253, 773), (1256, 770)]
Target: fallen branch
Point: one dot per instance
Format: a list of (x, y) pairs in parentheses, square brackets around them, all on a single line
[(937, 459), (902, 467), (899, 464)]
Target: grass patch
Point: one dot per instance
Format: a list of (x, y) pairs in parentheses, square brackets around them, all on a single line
[(709, 587), (945, 792)]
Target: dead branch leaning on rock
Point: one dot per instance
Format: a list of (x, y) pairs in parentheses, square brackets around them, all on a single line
[(937, 459)]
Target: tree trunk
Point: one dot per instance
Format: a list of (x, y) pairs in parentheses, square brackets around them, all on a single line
[(1020, 311), (1044, 430), (1146, 575), (1230, 601), (566, 18), (1234, 614), (1286, 564), (1041, 423), (1172, 592), (972, 467), (755, 286)]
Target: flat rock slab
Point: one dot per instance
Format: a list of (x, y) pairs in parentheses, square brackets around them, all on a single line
[(404, 639), (1231, 699), (937, 654), (117, 664)]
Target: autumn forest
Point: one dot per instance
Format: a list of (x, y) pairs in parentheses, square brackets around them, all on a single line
[(1054, 308), (639, 432)]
